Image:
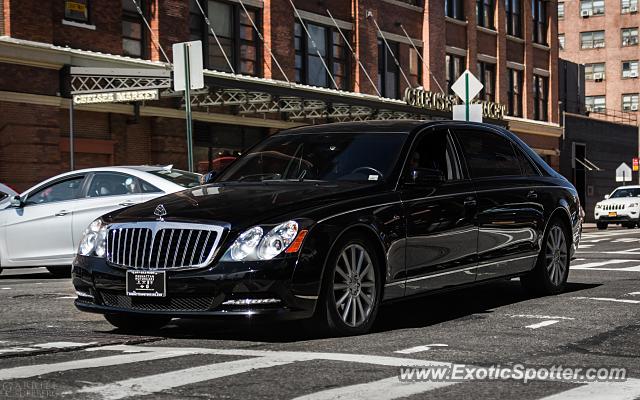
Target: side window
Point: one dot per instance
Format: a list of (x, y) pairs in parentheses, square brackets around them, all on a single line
[(112, 184), (434, 150), (525, 164), (148, 188), (488, 154), (68, 189)]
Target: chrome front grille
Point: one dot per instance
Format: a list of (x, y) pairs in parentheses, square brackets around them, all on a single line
[(162, 245), (613, 207)]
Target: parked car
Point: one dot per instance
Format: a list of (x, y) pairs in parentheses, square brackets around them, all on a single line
[(327, 222), (621, 207), (5, 194), (43, 226)]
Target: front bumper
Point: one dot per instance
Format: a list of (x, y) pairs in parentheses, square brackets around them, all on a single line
[(199, 293)]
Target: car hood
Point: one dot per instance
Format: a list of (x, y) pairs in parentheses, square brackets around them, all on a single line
[(244, 205), (620, 201)]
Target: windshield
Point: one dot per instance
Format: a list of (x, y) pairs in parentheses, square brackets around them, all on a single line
[(357, 157), (626, 193), (179, 177)]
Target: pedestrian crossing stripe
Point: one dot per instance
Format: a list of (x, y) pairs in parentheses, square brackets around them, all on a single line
[(387, 388)]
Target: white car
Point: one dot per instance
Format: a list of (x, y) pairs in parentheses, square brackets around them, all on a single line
[(44, 225), (622, 206)]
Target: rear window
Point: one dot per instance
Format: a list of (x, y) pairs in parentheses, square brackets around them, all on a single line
[(183, 178)]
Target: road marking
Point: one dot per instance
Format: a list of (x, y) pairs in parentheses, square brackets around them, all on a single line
[(540, 316), (542, 324), (418, 349), (601, 263), (625, 240), (5, 288), (634, 293), (389, 388), (628, 390), (625, 269), (584, 246), (608, 299), (62, 345), (156, 383)]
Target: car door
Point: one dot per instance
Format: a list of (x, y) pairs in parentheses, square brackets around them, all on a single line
[(39, 232), (106, 192), (509, 212), (441, 230)]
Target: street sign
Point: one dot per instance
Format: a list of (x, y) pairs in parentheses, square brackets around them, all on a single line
[(623, 173), (467, 88), (635, 163), (187, 55), (460, 112)]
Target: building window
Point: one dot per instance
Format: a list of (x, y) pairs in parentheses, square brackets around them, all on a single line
[(513, 11), (415, 68), (540, 98), (595, 103), (539, 13), (487, 74), (630, 36), (454, 67), (309, 65), (485, 13), (591, 7), (630, 102), (77, 10), (594, 72), (514, 92), (592, 40), (388, 73), (561, 10), (630, 69), (629, 6), (133, 34), (561, 41), (235, 32), (454, 9)]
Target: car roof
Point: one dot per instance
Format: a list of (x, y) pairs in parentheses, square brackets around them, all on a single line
[(628, 187), (378, 126)]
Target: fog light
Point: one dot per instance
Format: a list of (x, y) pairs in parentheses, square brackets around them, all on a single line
[(84, 294), (250, 302)]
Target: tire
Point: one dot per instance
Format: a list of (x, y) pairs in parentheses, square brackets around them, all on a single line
[(349, 302), (629, 225), (60, 272), (550, 274), (602, 225), (137, 323)]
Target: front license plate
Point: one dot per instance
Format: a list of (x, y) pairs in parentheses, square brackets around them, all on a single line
[(146, 283), (613, 214)]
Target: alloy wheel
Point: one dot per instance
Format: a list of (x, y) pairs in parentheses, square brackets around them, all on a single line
[(556, 255), (354, 285)]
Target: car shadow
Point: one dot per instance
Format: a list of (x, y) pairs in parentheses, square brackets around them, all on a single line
[(32, 276), (417, 312)]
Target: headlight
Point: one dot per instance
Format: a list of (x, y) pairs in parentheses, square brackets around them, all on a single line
[(598, 206), (633, 205), (254, 245), (94, 241)]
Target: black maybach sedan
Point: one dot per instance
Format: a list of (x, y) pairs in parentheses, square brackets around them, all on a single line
[(327, 222)]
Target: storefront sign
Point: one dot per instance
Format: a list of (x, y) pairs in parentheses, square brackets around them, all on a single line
[(418, 97), (116, 97)]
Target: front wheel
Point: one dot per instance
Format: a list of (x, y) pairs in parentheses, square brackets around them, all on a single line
[(552, 268), (137, 323), (352, 288), (602, 225), (60, 272), (629, 225)]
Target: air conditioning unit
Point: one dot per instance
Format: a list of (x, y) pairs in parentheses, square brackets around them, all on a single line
[(633, 9), (633, 74), (598, 45), (634, 107), (598, 76), (585, 13)]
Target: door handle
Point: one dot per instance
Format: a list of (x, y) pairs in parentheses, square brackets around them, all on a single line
[(532, 195), (127, 203), (470, 202), (62, 213)]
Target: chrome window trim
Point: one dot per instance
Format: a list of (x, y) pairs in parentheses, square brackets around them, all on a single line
[(160, 226)]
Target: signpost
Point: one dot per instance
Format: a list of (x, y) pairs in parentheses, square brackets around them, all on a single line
[(467, 88), (187, 75), (623, 173)]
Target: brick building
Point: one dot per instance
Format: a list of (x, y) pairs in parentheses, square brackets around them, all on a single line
[(603, 35), (506, 43)]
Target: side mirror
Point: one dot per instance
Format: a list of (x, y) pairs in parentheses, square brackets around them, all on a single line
[(16, 202), (606, 197), (425, 176), (209, 177)]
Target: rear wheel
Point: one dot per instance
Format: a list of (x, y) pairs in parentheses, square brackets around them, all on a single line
[(351, 290), (629, 225), (137, 323), (60, 272), (552, 268), (602, 225)]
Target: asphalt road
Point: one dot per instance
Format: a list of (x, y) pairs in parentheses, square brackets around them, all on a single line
[(50, 350)]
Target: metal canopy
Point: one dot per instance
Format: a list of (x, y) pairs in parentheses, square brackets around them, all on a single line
[(104, 80)]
